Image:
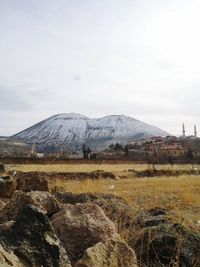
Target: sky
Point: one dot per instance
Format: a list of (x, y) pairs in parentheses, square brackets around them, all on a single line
[(139, 58)]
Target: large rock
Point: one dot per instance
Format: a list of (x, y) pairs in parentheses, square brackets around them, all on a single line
[(159, 242), (7, 185), (33, 240), (115, 207), (43, 200), (31, 181), (112, 253), (8, 258), (2, 168), (81, 226)]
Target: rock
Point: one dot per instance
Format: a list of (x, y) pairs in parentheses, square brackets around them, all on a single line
[(2, 205), (115, 208), (112, 253), (81, 226), (167, 244), (33, 240), (31, 181), (2, 168), (7, 185), (8, 258), (152, 217), (43, 200)]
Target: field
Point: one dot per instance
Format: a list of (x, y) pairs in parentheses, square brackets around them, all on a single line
[(181, 194)]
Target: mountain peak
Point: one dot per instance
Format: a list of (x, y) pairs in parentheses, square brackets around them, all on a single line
[(71, 130)]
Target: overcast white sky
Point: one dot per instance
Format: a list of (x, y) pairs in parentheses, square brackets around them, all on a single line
[(139, 58)]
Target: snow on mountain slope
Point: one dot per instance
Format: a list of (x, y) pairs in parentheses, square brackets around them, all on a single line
[(71, 131)]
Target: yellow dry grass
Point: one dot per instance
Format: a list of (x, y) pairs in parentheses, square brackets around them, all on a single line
[(180, 194)]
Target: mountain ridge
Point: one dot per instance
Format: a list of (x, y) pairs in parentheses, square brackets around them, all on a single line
[(71, 130)]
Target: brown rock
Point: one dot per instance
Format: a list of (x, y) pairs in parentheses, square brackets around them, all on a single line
[(43, 200), (112, 253), (81, 226), (7, 185), (115, 207), (31, 181)]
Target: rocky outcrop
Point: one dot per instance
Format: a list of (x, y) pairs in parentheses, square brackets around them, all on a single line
[(112, 253), (81, 226), (31, 181), (33, 240), (19, 199), (7, 185)]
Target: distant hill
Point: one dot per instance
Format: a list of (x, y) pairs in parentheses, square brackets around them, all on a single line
[(71, 131), (11, 147)]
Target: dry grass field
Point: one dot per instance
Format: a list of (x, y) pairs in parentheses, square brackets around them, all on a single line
[(179, 194)]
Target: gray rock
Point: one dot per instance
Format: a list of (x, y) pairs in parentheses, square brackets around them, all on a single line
[(33, 240)]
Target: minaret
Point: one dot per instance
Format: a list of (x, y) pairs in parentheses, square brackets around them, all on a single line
[(183, 130), (33, 149), (195, 131)]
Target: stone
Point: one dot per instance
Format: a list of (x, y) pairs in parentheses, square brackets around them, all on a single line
[(167, 244), (112, 253), (115, 207), (151, 217), (81, 226), (33, 240), (31, 181), (2, 205), (2, 168), (43, 200), (7, 185), (8, 258)]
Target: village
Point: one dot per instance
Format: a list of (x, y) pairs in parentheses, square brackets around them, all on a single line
[(156, 149)]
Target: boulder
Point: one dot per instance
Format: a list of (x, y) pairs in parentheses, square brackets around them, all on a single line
[(43, 200), (31, 181), (161, 243), (112, 253), (33, 240), (7, 185), (115, 207), (81, 226), (2, 168)]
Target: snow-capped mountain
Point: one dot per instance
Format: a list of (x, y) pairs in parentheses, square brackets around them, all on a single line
[(71, 131)]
